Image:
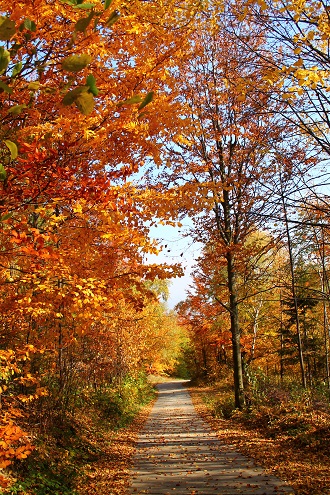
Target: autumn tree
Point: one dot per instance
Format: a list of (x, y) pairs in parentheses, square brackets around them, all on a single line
[(298, 40), (311, 267), (76, 100), (208, 323), (258, 291), (297, 37), (225, 151)]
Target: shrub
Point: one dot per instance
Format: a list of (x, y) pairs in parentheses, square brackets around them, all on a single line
[(120, 402)]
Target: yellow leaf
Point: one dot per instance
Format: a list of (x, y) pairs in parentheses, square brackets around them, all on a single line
[(12, 148), (34, 85)]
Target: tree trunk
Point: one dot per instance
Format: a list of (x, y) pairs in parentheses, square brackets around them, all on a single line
[(326, 328), (281, 341), (294, 295), (255, 330), (236, 335), (326, 344)]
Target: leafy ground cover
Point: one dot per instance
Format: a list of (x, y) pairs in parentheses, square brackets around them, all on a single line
[(288, 434), (109, 474), (89, 452), (290, 439)]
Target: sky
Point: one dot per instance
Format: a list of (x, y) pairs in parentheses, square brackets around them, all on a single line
[(177, 243)]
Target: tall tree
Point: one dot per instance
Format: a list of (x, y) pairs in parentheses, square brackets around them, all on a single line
[(298, 39), (224, 151), (77, 100)]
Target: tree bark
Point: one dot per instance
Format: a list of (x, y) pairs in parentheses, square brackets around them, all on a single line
[(236, 334), (294, 295)]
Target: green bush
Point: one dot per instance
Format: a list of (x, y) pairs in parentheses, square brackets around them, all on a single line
[(221, 406), (46, 477), (120, 402)]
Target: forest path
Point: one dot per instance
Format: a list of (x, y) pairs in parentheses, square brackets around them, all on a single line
[(178, 453)]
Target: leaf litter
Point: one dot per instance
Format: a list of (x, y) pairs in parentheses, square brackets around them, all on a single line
[(303, 464), (110, 474)]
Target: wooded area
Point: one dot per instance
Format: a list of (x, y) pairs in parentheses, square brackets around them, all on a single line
[(120, 115)]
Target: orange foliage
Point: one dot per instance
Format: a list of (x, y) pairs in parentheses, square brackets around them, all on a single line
[(79, 90)]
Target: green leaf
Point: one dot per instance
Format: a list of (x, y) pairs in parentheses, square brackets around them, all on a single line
[(12, 148), (6, 217), (91, 83), (17, 69), (72, 95), (73, 39), (29, 25), (83, 23), (17, 109), (107, 4), (130, 101), (113, 18), (96, 22), (147, 100), (70, 2), (5, 88), (34, 85), (85, 6), (82, 98), (14, 49), (49, 90), (7, 28), (4, 59), (85, 102), (3, 173), (76, 63)]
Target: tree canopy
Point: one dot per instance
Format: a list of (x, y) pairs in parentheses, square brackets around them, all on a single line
[(118, 115)]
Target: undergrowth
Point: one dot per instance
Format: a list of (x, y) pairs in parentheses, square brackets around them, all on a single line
[(276, 409), (284, 428), (73, 441)]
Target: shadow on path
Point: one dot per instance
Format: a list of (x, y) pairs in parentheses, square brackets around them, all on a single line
[(178, 453)]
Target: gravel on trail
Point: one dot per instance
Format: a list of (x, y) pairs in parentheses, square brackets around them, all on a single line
[(178, 453)]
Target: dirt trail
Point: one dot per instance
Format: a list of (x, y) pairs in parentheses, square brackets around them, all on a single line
[(178, 453)]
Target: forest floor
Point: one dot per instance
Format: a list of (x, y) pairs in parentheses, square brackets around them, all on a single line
[(291, 444), (86, 454), (110, 473)]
